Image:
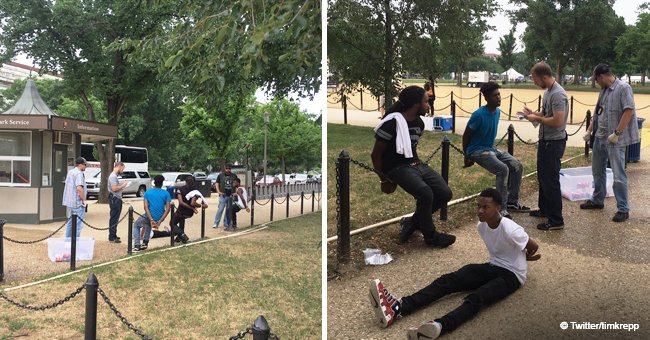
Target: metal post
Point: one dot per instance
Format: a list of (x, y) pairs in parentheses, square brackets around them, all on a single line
[(288, 205), (266, 128), (511, 140), (453, 116), (73, 243), (571, 114), (539, 103), (2, 256), (253, 209), (90, 326), (202, 223), (445, 172), (313, 198), (129, 247), (261, 329), (272, 201), (480, 103), (588, 123), (361, 94), (452, 98), (343, 241), (171, 231), (510, 108), (302, 205), (345, 110)]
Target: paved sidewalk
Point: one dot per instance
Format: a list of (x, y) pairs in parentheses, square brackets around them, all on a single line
[(593, 271)]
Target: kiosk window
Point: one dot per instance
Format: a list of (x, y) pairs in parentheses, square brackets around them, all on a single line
[(15, 158)]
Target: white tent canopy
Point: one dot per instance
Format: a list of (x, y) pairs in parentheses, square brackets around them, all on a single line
[(512, 74)]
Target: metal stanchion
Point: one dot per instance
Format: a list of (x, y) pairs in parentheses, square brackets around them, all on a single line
[(261, 329), (343, 241), (272, 201), (302, 203), (129, 247), (445, 173), (510, 108), (202, 223), (2, 256), (588, 124), (90, 326), (171, 231), (313, 199), (287, 205), (253, 209), (511, 140), (73, 243)]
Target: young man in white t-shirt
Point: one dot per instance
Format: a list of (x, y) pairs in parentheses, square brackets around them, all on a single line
[(509, 247)]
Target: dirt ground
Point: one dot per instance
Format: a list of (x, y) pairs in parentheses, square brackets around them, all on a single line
[(593, 271), (25, 262)]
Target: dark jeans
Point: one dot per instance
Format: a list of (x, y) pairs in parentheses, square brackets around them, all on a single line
[(549, 154), (178, 222), (430, 192), (115, 205), (234, 209), (489, 284)]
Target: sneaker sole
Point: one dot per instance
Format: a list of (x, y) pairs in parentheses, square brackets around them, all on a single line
[(425, 331), (375, 300), (553, 228)]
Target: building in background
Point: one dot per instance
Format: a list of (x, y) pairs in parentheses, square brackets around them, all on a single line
[(11, 71)]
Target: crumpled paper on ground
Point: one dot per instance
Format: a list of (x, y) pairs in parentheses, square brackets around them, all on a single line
[(375, 257)]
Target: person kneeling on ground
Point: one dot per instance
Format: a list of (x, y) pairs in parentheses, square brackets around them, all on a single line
[(240, 201), (156, 208), (187, 207), (509, 247)]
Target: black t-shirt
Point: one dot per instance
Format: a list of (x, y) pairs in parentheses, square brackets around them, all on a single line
[(184, 211), (387, 132), (226, 182)]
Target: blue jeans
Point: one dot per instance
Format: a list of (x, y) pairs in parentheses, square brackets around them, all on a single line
[(549, 155), (430, 192), (81, 213), (508, 171), (141, 222), (603, 151), (224, 203)]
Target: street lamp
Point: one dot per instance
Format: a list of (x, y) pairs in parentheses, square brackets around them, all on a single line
[(266, 128)]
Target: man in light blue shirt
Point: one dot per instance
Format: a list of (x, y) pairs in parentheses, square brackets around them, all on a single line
[(74, 195)]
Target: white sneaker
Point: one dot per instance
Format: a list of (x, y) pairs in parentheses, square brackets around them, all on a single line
[(427, 330), (214, 226)]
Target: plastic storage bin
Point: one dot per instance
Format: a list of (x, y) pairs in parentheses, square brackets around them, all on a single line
[(577, 184), (58, 249), (442, 123), (634, 150)]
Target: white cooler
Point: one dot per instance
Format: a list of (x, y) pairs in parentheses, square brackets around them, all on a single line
[(577, 184), (58, 249)]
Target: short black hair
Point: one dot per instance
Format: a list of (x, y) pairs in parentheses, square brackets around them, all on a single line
[(237, 180), (601, 69), (158, 180), (189, 181), (488, 88), (494, 194), (408, 97)]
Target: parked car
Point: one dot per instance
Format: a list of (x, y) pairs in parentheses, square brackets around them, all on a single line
[(199, 175), (313, 179), (270, 180), (176, 179), (213, 179), (297, 179), (140, 182)]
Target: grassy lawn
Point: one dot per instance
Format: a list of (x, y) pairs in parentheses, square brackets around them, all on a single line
[(208, 291)]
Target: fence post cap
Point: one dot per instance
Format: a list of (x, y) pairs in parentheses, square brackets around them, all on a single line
[(344, 154), (2, 222), (261, 324), (445, 139), (130, 208), (511, 127), (92, 280)]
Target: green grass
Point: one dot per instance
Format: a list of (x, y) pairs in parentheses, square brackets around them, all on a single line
[(207, 291), (369, 205)]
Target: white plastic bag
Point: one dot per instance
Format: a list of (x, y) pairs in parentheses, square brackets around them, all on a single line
[(375, 257)]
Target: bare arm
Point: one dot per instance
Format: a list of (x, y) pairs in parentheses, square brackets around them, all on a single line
[(377, 152), (467, 136), (154, 223), (80, 192), (531, 249)]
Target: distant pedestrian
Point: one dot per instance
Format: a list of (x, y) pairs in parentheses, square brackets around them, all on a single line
[(115, 189), (240, 201), (616, 127), (430, 87), (224, 188), (74, 195), (552, 143)]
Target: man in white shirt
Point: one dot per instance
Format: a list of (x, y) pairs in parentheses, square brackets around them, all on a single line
[(509, 247)]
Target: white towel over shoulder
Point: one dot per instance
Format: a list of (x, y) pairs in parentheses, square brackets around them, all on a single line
[(195, 193), (403, 138)]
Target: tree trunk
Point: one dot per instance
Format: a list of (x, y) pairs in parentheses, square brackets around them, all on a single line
[(643, 78), (459, 74), (106, 160), (576, 73), (558, 69), (284, 169), (388, 60)]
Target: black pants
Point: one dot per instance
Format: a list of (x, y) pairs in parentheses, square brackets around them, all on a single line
[(430, 192), (549, 155), (234, 209), (178, 222), (115, 205), (489, 284)]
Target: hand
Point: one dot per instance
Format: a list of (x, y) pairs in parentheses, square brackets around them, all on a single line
[(613, 138), (220, 194), (248, 209), (196, 211), (388, 187), (527, 111), (204, 206), (531, 256), (587, 136), (468, 162)]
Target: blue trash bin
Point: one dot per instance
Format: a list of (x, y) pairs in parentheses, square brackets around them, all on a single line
[(634, 150)]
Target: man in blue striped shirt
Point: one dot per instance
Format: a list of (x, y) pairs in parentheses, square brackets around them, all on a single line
[(74, 195)]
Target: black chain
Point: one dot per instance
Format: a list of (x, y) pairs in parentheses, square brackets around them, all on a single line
[(365, 166), (356, 107), (523, 141), (523, 102), (579, 102), (457, 149), (276, 200), (448, 94), (579, 128), (297, 199), (501, 140), (307, 198), (39, 240), (461, 98), (241, 334), (120, 316), (458, 106), (320, 195), (643, 108), (42, 308), (137, 213), (444, 108), (260, 204), (118, 222), (433, 154)]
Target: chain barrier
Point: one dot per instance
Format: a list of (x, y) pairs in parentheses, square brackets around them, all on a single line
[(140, 215), (459, 107), (461, 98), (433, 154), (320, 195), (579, 102), (280, 203), (120, 316), (457, 149), (579, 127), (334, 103), (643, 108), (448, 94), (42, 308), (39, 240), (241, 334), (523, 141), (523, 102), (444, 108), (365, 166), (291, 199), (501, 140), (267, 202), (356, 107), (307, 198), (107, 228)]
